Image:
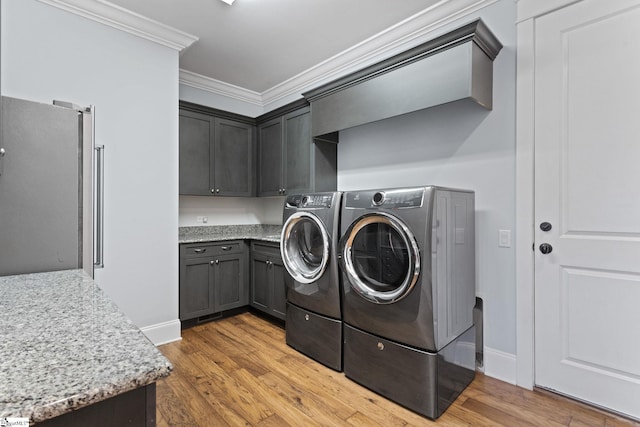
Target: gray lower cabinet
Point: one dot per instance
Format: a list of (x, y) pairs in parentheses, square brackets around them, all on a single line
[(216, 155), (213, 278), (267, 279), (289, 160)]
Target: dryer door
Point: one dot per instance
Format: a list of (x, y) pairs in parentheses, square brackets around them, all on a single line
[(380, 258), (305, 247)]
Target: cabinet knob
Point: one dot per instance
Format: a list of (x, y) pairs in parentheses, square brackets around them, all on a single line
[(211, 262), (213, 190), (217, 261), (217, 190)]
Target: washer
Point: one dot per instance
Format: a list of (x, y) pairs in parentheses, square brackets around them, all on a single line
[(308, 247), (408, 270)]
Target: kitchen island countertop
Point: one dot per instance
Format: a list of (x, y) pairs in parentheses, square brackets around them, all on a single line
[(66, 345)]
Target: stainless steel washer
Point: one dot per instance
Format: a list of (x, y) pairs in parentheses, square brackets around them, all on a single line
[(314, 316), (408, 267)]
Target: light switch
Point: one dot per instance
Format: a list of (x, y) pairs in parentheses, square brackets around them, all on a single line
[(504, 238)]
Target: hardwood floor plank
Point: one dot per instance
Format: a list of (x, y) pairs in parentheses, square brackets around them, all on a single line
[(516, 406), (201, 412), (495, 414), (360, 420), (239, 371), (223, 387), (274, 421), (172, 410)]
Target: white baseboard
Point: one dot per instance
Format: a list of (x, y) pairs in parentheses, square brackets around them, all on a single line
[(500, 365), (163, 333)]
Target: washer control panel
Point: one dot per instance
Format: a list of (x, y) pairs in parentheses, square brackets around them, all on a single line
[(392, 199)]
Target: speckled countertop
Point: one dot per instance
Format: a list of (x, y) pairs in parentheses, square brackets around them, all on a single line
[(66, 345), (212, 233)]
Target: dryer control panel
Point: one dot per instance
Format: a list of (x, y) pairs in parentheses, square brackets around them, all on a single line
[(310, 200)]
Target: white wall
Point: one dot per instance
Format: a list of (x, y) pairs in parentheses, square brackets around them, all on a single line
[(458, 145), (51, 54), (230, 210)]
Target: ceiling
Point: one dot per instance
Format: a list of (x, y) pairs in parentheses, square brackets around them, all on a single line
[(258, 44)]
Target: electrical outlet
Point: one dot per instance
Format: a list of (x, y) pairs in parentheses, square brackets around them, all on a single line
[(202, 219)]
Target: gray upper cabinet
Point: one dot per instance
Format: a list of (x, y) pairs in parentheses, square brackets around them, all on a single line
[(232, 174), (216, 155), (297, 150), (270, 154), (289, 160), (195, 147)]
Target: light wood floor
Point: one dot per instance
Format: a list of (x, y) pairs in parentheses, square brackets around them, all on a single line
[(240, 372)]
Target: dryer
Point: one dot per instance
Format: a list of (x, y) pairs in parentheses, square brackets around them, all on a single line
[(408, 269), (308, 247)]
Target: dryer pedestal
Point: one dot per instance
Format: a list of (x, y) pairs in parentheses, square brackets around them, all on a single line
[(316, 336), (424, 382)]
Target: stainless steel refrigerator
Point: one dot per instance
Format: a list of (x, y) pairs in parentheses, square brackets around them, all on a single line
[(46, 187)]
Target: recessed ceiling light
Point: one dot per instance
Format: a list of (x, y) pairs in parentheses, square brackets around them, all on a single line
[(228, 1)]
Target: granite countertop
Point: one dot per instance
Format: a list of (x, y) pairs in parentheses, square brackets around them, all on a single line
[(212, 233), (66, 345)]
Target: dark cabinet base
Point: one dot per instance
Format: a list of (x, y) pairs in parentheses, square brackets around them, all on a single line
[(135, 408)]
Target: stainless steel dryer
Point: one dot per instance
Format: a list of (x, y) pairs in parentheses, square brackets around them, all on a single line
[(314, 316), (408, 266)]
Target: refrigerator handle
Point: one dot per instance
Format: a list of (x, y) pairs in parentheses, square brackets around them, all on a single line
[(2, 153), (99, 236)]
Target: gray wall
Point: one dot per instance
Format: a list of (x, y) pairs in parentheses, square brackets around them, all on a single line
[(51, 54)]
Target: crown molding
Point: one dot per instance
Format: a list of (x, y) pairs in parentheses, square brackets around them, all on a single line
[(393, 40), (404, 35), (208, 84), (122, 19)]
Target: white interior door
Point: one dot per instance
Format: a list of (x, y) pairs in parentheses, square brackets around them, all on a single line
[(587, 186)]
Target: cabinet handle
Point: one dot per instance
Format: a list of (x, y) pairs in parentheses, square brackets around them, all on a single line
[(200, 250), (226, 248)]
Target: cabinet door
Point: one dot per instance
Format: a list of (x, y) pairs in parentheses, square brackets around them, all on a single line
[(232, 174), (229, 282), (278, 289), (270, 158), (297, 152), (195, 138), (260, 281), (196, 287)]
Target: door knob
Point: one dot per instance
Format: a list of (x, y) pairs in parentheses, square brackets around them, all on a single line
[(546, 248), (545, 226)]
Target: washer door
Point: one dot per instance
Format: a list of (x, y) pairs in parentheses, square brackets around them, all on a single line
[(380, 258), (304, 246)]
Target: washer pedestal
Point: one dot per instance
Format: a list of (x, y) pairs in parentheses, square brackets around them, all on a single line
[(317, 336), (424, 382)]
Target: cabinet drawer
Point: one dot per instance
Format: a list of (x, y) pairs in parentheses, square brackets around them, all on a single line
[(268, 249), (194, 250)]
